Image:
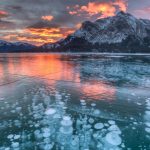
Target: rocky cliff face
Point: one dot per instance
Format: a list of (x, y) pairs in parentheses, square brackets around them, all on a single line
[(121, 33)]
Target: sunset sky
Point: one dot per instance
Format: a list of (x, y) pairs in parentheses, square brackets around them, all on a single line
[(45, 21)]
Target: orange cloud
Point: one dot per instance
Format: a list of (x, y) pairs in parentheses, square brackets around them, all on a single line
[(47, 18), (103, 9), (78, 25), (122, 4), (39, 36), (3, 14), (44, 32), (37, 40), (73, 12)]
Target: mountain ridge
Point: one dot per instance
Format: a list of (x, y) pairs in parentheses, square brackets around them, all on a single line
[(15, 46), (120, 33), (112, 34)]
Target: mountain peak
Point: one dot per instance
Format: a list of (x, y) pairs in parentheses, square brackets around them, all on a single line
[(123, 30), (123, 14)]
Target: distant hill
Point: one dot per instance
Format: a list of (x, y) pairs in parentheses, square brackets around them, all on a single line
[(15, 47)]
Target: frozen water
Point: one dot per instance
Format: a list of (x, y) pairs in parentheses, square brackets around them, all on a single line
[(10, 136), (50, 111), (147, 130), (111, 122), (46, 134), (96, 112), (91, 120), (114, 128), (147, 112), (1, 98), (16, 137), (48, 147), (15, 145), (66, 121), (98, 126), (74, 102), (113, 138), (147, 124)]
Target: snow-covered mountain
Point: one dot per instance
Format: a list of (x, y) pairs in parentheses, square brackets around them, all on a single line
[(121, 33), (15, 47)]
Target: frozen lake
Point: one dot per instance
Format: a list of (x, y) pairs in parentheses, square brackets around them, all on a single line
[(74, 102)]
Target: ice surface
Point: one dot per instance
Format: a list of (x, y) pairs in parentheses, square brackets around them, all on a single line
[(46, 134), (16, 137), (147, 130), (147, 124), (48, 147), (1, 98), (10, 136), (114, 128), (111, 122), (98, 126), (91, 120), (113, 138), (85, 102), (7, 148), (96, 112), (93, 104), (50, 111), (15, 145), (147, 112)]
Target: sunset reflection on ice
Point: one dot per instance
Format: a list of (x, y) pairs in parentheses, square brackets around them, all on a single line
[(74, 102)]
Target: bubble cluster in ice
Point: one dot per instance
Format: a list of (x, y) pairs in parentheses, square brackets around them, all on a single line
[(98, 126), (113, 138), (54, 126), (147, 116)]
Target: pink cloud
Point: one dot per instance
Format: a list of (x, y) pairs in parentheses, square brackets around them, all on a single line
[(103, 9)]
